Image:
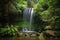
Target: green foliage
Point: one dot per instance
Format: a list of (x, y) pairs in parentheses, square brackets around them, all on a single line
[(47, 14), (10, 31), (22, 3), (41, 37), (38, 23)]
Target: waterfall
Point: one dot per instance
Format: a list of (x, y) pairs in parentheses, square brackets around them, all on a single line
[(27, 18)]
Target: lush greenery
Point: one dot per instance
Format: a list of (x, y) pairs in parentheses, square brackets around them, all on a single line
[(46, 15)]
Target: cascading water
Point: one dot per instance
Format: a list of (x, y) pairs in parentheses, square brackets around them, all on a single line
[(27, 18)]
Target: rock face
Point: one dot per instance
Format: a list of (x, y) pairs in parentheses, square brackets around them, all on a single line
[(51, 35)]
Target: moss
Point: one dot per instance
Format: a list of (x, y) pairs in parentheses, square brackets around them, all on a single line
[(41, 37)]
